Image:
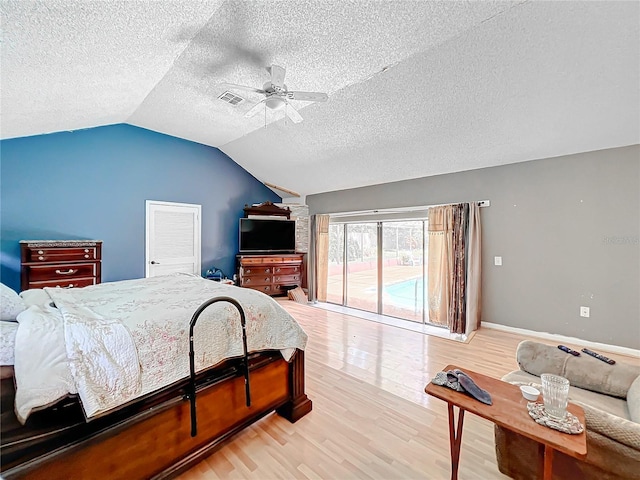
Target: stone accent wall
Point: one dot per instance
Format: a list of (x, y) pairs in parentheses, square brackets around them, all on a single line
[(299, 213)]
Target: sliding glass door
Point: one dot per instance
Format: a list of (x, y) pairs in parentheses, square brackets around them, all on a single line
[(403, 269), (379, 267), (362, 266), (336, 270)]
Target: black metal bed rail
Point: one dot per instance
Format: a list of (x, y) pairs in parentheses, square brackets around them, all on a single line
[(191, 389)]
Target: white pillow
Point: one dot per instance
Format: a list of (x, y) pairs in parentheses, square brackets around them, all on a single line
[(10, 304), (35, 296)]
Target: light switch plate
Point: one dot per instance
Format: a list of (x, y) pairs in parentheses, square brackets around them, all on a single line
[(497, 261)]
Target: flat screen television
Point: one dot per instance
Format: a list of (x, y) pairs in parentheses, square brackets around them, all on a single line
[(263, 235)]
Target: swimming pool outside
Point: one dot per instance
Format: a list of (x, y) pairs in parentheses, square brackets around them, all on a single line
[(406, 294), (362, 293)]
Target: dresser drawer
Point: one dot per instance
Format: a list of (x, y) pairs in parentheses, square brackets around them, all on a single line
[(261, 260), (40, 273), (65, 283), (252, 261), (257, 270), (255, 280), (286, 270), (61, 254), (287, 279)]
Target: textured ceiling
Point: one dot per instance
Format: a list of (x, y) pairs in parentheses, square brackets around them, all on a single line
[(415, 88)]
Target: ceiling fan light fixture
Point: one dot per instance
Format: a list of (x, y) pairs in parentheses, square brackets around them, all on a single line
[(275, 103)]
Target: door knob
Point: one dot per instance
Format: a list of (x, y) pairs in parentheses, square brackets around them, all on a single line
[(153, 262)]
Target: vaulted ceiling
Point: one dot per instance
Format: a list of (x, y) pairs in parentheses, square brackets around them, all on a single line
[(416, 88)]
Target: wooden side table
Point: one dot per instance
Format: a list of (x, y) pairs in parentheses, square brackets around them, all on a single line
[(509, 410)]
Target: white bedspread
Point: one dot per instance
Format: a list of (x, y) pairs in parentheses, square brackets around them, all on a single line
[(126, 339), (7, 341)]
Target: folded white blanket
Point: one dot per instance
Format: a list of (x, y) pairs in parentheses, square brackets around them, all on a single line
[(102, 355), (41, 369)]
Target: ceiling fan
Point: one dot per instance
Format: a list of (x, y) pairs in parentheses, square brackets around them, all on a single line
[(277, 95)]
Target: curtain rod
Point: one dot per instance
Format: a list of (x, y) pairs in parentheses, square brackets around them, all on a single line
[(481, 203)]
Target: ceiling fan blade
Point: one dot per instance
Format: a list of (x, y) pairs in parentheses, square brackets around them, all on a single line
[(277, 76), (243, 87), (308, 96), (255, 109), (292, 113)]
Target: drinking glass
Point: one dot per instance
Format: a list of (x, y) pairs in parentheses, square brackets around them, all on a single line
[(555, 392)]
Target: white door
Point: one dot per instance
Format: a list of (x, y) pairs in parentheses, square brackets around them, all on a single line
[(173, 238)]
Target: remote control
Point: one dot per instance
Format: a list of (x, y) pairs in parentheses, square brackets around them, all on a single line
[(568, 350), (598, 356)]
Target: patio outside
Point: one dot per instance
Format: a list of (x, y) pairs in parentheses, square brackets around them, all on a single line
[(362, 292)]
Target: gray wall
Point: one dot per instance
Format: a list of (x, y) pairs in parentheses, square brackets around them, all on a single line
[(567, 229)]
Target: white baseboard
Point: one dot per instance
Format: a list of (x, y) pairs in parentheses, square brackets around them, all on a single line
[(632, 352)]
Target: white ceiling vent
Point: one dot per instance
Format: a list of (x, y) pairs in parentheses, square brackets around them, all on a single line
[(231, 98)]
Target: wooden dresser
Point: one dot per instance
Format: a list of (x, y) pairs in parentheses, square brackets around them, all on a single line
[(270, 274), (60, 263)]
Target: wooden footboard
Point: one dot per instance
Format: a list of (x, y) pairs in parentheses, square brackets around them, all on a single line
[(299, 404), (157, 443)]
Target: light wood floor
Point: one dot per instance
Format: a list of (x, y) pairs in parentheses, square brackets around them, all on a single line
[(371, 418)]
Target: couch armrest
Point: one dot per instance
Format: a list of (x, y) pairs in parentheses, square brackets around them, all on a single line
[(633, 400), (616, 428), (583, 371)]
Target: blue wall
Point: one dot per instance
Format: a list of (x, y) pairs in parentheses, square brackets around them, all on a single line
[(93, 184)]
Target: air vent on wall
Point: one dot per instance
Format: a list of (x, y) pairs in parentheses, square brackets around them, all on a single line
[(231, 98)]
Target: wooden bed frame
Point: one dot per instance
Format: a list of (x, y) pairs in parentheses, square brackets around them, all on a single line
[(151, 437)]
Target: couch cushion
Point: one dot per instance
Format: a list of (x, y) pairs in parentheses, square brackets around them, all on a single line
[(613, 405), (633, 400), (583, 371)]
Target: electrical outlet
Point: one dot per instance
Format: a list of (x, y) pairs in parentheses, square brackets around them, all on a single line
[(584, 312)]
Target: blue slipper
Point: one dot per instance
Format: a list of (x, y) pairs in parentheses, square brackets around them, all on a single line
[(472, 389)]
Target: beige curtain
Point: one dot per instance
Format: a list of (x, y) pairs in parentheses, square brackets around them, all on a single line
[(321, 256), (440, 261), (474, 270), (454, 272)]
